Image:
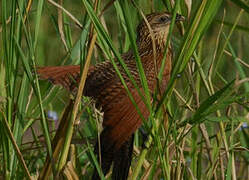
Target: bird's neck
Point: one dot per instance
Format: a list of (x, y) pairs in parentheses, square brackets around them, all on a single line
[(152, 57), (152, 45)]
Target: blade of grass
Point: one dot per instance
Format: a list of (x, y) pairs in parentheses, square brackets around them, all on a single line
[(219, 57), (238, 27), (69, 132), (95, 162), (207, 108), (17, 150), (35, 84), (201, 22), (132, 37), (108, 44), (241, 4), (238, 65), (11, 64), (57, 143)]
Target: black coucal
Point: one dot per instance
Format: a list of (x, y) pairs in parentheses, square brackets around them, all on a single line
[(121, 118)]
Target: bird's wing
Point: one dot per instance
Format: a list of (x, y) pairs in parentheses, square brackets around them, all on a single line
[(120, 122), (99, 79), (103, 84), (121, 117)]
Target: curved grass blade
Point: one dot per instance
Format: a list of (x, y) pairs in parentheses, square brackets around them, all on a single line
[(241, 4), (207, 106), (199, 25), (107, 42)]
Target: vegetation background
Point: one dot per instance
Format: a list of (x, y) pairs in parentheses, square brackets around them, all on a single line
[(206, 133)]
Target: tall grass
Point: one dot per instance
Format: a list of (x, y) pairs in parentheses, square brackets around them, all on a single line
[(203, 135)]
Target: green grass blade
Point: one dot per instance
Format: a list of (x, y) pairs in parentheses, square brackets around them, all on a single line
[(132, 37), (241, 4), (103, 35), (199, 25)]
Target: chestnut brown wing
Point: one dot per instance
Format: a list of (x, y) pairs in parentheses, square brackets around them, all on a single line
[(121, 117), (104, 86)]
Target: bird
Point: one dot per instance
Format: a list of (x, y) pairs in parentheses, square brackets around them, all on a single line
[(120, 117)]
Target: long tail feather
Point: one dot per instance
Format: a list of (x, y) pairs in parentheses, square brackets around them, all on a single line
[(122, 160), (66, 76), (104, 153)]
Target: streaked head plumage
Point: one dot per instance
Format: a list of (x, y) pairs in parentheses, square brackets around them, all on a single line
[(157, 24)]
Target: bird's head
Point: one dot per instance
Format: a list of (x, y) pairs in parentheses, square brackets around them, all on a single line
[(157, 27)]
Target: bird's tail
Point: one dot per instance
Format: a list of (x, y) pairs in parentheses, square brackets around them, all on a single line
[(122, 161), (66, 76), (120, 158)]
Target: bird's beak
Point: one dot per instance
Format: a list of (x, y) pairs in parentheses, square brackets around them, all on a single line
[(179, 17)]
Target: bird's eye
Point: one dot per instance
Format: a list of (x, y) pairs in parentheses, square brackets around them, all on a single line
[(163, 19)]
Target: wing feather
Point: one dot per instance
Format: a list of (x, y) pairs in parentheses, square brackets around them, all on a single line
[(123, 120)]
